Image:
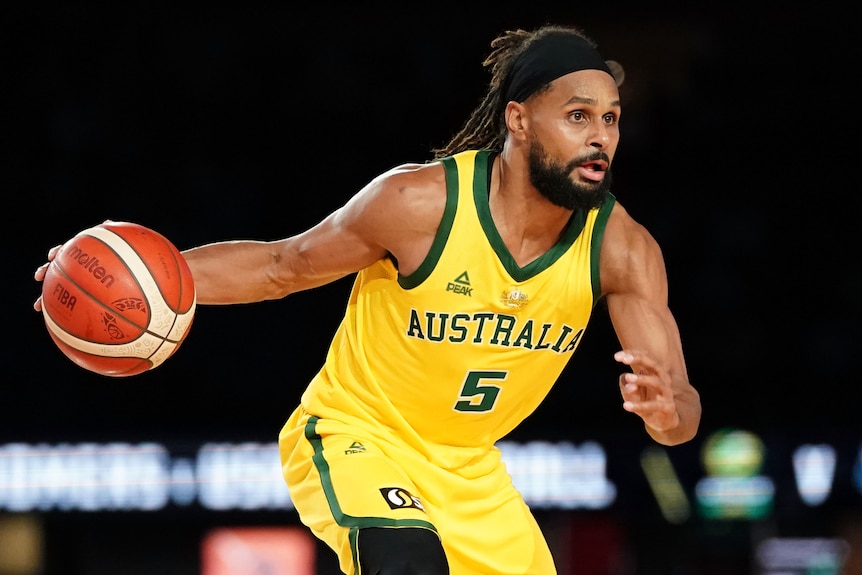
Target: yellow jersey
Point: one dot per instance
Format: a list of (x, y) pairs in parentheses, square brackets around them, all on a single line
[(458, 353)]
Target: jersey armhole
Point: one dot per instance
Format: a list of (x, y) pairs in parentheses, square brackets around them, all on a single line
[(442, 235), (596, 244)]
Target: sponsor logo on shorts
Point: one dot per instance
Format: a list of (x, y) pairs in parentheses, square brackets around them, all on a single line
[(355, 447), (400, 498)]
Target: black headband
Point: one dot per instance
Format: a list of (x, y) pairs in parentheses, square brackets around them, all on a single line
[(547, 59)]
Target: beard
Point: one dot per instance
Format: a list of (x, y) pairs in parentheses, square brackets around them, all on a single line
[(554, 181)]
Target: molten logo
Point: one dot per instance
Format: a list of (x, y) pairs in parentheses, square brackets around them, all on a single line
[(92, 265)]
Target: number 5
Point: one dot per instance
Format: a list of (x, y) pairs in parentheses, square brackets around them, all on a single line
[(477, 397)]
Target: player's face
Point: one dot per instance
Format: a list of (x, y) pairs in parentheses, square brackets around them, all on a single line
[(574, 132)]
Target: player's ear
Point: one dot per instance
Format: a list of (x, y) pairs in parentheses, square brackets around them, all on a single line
[(516, 120)]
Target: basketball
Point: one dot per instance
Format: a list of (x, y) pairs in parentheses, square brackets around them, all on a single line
[(118, 299)]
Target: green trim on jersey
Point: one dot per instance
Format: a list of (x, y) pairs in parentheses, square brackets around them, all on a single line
[(340, 517), (481, 193), (427, 265), (596, 245)]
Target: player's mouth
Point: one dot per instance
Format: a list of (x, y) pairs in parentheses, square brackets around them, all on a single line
[(593, 170)]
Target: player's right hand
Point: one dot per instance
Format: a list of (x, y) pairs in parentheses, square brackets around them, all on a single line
[(40, 274)]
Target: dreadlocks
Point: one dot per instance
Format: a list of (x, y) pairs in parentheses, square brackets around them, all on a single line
[(485, 129)]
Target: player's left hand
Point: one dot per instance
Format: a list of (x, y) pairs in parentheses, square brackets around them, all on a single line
[(647, 391), (40, 272)]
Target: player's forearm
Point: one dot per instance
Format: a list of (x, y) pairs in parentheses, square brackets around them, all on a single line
[(235, 272)]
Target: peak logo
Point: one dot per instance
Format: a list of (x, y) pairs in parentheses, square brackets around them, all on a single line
[(400, 498), (460, 285)]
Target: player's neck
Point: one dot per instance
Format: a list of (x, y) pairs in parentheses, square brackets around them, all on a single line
[(528, 222)]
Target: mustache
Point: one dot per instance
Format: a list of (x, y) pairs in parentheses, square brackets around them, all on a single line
[(592, 157)]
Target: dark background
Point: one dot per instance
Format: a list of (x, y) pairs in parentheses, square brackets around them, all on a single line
[(738, 147)]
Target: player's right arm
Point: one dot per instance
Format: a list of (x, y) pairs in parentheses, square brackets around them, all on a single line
[(393, 214), (397, 213)]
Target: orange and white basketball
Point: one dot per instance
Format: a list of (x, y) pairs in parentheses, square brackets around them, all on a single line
[(118, 299)]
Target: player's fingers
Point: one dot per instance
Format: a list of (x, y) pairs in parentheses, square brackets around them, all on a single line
[(634, 356), (39, 274), (37, 305), (625, 388), (655, 413), (643, 382), (632, 389)]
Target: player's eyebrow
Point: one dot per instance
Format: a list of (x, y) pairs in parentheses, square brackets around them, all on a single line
[(589, 101)]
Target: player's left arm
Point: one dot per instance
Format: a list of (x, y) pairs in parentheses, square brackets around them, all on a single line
[(634, 282)]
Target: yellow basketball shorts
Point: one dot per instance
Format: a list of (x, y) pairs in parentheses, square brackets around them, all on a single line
[(345, 477)]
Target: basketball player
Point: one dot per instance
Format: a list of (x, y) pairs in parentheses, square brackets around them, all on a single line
[(476, 275)]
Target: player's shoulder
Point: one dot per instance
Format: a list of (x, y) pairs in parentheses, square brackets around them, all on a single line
[(409, 180), (408, 192), (630, 260), (622, 227), (627, 244), (402, 210), (415, 173)]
